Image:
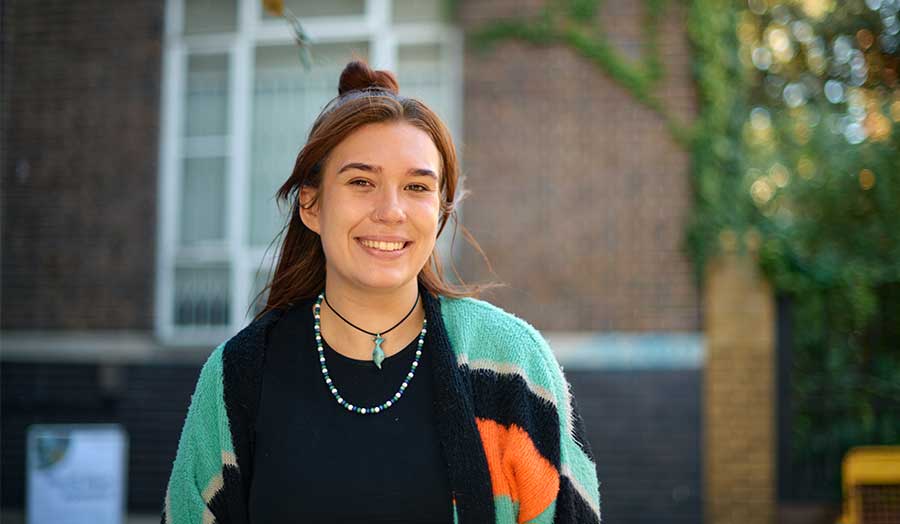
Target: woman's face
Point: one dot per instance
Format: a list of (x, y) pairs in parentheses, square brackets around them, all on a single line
[(381, 185)]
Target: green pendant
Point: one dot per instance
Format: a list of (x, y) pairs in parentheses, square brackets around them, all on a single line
[(378, 353)]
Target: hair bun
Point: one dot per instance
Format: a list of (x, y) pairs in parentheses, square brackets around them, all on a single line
[(358, 75)]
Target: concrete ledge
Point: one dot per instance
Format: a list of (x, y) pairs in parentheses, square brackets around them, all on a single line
[(574, 350), (104, 347), (18, 517), (653, 350)]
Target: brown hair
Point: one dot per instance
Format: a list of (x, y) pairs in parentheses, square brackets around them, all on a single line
[(364, 97)]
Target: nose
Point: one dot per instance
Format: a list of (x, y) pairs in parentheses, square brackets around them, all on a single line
[(388, 206)]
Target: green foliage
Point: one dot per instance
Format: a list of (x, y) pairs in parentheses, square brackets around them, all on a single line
[(786, 180), (450, 11), (583, 10)]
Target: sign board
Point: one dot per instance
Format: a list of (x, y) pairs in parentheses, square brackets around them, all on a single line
[(76, 474)]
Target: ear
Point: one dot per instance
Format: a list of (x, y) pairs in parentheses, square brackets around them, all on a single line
[(309, 215)]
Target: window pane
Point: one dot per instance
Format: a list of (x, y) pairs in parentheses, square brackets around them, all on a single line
[(422, 75), (308, 8), (209, 16), (207, 96), (286, 101), (202, 218), (405, 11), (201, 296)]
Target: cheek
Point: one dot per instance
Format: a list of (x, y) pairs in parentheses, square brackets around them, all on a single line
[(428, 214), (429, 207), (343, 214)]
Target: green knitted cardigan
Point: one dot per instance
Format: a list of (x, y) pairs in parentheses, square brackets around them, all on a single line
[(510, 430)]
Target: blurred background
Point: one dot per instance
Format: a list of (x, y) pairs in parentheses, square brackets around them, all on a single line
[(697, 202)]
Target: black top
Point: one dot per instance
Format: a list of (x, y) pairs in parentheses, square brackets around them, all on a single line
[(337, 466)]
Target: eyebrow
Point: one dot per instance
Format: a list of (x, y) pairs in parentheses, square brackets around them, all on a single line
[(377, 169)]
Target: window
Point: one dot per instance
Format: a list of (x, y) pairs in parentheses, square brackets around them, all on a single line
[(237, 106)]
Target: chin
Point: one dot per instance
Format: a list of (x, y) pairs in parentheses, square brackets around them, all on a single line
[(385, 281)]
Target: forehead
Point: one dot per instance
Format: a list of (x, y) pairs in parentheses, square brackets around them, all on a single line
[(395, 146)]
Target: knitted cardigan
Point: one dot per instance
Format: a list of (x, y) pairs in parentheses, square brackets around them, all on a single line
[(513, 440)]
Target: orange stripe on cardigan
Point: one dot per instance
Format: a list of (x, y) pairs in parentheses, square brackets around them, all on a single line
[(517, 469)]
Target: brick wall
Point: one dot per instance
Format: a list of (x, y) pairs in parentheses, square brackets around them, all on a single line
[(579, 193), (740, 446), (80, 131)]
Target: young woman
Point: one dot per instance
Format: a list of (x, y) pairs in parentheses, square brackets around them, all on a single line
[(369, 389)]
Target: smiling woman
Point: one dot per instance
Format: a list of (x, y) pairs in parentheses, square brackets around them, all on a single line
[(367, 143), (370, 388)]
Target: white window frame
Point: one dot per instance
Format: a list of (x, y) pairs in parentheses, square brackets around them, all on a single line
[(384, 38)]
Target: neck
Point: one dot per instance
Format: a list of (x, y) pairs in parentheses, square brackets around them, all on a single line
[(375, 311)]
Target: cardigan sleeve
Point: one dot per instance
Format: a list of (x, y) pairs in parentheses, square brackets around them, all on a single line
[(197, 469), (579, 491), (578, 498)]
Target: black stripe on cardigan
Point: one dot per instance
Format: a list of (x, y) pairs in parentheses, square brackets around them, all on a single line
[(242, 368), (506, 399), (455, 410)]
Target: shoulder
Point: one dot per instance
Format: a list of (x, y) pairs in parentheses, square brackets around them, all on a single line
[(243, 359), (486, 320), (209, 383), (485, 335), (249, 343)]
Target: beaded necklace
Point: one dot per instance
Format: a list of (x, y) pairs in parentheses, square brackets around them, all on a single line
[(334, 391)]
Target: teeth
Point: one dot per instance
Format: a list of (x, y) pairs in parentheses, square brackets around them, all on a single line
[(383, 246)]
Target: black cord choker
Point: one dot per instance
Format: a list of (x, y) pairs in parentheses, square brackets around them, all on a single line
[(377, 352)]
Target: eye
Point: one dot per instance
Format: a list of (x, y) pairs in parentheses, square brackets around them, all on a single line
[(361, 182)]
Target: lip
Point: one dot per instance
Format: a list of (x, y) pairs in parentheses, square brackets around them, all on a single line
[(384, 238), (384, 255)]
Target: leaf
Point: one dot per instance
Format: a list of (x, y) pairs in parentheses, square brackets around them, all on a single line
[(276, 7)]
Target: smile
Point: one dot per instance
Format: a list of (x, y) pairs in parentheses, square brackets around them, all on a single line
[(384, 246), (386, 250)]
